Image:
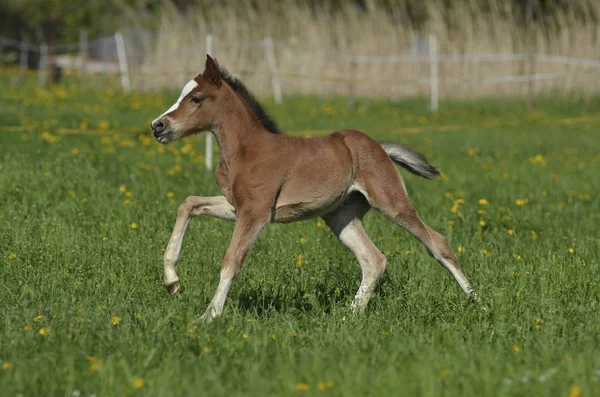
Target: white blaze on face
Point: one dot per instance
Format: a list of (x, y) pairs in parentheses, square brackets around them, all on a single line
[(186, 90)]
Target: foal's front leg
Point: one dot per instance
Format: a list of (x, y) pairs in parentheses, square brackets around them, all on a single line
[(247, 226), (192, 206)]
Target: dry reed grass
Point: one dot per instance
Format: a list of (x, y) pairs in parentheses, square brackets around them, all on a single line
[(309, 43)]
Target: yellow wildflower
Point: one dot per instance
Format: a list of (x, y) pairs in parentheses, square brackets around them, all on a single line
[(26, 328), (516, 349), (122, 189), (482, 223), (510, 232), (133, 225), (116, 320), (37, 318), (170, 194), (43, 331), (300, 261), (138, 383), (245, 336), (138, 316), (6, 366), (571, 250), (322, 386), (75, 151), (302, 386), (303, 240), (94, 363), (12, 256), (575, 391), (483, 202)]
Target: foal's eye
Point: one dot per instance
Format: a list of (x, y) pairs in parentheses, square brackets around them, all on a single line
[(196, 99)]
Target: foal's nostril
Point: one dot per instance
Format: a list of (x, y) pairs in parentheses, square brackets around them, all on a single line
[(158, 127)]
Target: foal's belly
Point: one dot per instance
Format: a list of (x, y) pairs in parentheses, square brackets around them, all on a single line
[(303, 208)]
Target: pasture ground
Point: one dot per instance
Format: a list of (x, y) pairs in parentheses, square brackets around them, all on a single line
[(85, 213)]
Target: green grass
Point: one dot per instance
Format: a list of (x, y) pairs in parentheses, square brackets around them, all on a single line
[(70, 258)]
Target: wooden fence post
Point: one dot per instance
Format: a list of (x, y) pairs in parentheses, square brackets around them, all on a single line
[(43, 66), (274, 71), (351, 96), (208, 150), (122, 55), (83, 52), (531, 83), (433, 73), (23, 57)]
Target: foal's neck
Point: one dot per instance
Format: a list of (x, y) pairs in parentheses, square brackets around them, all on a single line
[(237, 129)]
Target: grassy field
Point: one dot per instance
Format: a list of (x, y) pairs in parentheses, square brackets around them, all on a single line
[(88, 201)]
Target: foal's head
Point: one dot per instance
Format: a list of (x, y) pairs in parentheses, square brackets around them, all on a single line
[(195, 110)]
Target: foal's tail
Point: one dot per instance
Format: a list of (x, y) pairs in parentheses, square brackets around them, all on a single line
[(412, 161)]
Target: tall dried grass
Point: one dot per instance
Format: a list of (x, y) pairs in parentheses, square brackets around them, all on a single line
[(310, 43)]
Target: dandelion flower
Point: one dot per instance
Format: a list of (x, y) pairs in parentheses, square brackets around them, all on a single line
[(138, 316), (12, 256), (482, 223), (26, 328), (122, 189), (575, 391), (43, 331), (510, 232), (37, 318), (138, 383), (322, 386), (133, 225), (302, 386), (516, 349), (116, 320), (483, 202), (170, 194), (245, 336), (6, 366), (94, 363), (303, 240), (571, 250)]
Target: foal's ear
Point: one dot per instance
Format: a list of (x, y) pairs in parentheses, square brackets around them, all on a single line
[(211, 71)]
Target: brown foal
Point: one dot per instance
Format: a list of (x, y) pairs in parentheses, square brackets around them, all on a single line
[(266, 176)]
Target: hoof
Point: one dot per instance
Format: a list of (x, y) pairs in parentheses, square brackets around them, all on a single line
[(474, 298), (173, 288)]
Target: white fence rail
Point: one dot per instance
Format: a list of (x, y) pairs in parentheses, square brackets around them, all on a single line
[(113, 55)]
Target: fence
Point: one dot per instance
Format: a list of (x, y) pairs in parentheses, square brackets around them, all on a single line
[(113, 55)]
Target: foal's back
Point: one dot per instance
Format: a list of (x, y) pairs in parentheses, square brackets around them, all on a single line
[(319, 173)]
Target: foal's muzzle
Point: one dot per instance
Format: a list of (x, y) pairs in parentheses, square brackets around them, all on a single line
[(158, 127)]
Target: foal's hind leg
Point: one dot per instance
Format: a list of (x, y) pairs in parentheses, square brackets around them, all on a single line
[(192, 206), (346, 223), (385, 192)]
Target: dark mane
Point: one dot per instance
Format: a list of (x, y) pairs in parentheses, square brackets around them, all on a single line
[(261, 114)]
